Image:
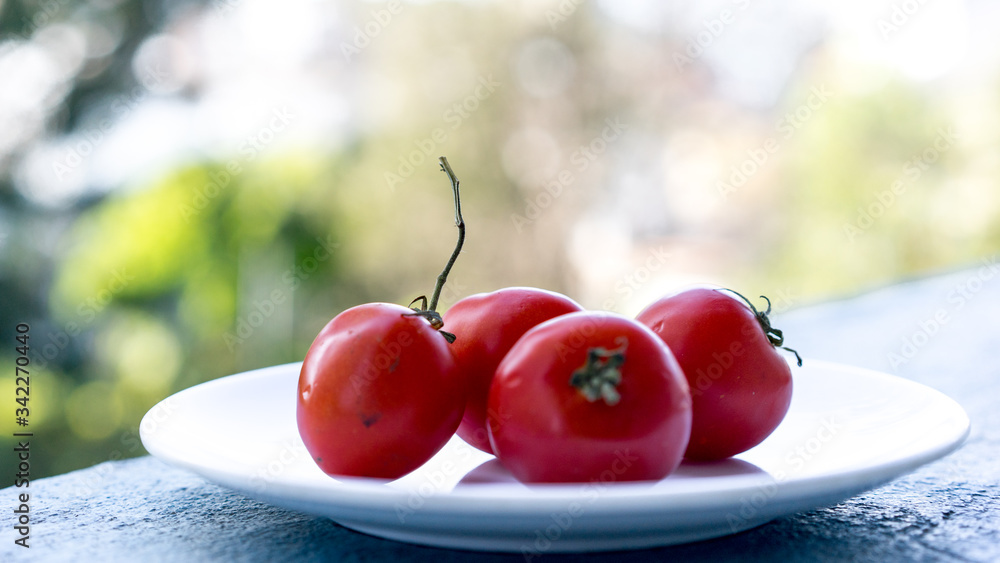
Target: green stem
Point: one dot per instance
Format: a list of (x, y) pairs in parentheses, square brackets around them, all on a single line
[(774, 336), (600, 376)]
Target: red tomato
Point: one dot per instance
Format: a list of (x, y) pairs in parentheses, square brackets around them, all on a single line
[(486, 325), (379, 393), (589, 396), (741, 386)]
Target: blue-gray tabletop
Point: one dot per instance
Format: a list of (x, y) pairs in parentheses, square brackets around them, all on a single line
[(942, 331)]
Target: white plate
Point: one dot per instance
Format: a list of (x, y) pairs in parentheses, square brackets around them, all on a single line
[(848, 430)]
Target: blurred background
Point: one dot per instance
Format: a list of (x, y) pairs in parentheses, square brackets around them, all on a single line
[(191, 189)]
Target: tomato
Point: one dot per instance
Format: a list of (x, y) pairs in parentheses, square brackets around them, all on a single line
[(588, 396), (379, 392), (740, 385), (486, 326)]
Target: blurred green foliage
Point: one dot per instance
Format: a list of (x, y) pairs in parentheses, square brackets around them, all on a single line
[(147, 288), (220, 266)]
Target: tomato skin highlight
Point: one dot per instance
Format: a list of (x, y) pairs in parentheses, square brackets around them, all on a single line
[(551, 432), (486, 326), (379, 393), (740, 385)]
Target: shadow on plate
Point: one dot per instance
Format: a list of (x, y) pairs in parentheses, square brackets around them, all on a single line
[(730, 467), (492, 472)]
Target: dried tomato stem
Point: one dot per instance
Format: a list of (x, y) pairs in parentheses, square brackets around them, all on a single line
[(429, 311), (460, 223), (600, 376), (774, 336)]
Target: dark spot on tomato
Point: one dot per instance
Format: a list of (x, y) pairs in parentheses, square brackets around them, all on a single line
[(369, 419)]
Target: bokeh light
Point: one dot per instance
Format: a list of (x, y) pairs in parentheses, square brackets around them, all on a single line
[(190, 190)]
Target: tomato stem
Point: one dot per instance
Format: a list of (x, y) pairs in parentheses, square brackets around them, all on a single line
[(429, 311), (600, 376), (460, 223), (774, 336)]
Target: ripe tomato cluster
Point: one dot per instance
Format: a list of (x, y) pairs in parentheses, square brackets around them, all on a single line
[(557, 393)]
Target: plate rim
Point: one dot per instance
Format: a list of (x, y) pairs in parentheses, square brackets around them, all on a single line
[(370, 498)]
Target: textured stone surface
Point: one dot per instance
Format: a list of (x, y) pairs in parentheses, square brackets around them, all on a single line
[(143, 510)]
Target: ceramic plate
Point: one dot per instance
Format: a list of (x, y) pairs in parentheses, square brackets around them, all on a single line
[(848, 430)]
